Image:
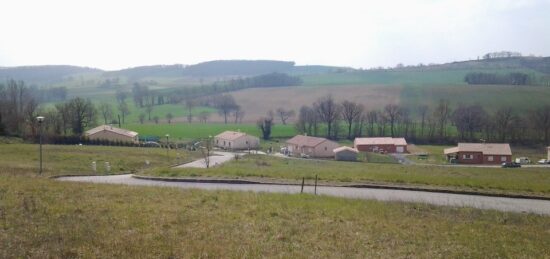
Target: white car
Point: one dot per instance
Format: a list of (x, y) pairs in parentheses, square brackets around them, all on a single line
[(543, 161)]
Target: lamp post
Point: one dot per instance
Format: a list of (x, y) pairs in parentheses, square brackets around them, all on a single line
[(167, 144), (40, 119)]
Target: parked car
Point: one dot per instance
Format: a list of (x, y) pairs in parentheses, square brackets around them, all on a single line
[(302, 155), (511, 165), (523, 160), (543, 161)]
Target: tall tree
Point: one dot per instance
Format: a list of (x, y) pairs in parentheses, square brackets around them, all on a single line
[(441, 114), (83, 114), (149, 109), (189, 105), (284, 115), (106, 111), (503, 119), (392, 112), (351, 112), (225, 104), (124, 111), (540, 118), (423, 112), (265, 124), (169, 117), (469, 120), (329, 112)]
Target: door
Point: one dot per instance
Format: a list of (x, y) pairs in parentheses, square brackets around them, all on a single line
[(400, 149)]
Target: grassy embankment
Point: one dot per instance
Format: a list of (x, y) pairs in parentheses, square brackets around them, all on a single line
[(490, 180), (58, 160), (43, 218)]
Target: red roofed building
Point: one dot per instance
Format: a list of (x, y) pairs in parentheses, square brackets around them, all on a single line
[(110, 133), (234, 140), (381, 145), (480, 153)]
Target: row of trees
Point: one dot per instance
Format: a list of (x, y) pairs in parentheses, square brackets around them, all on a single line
[(515, 78), (439, 124)]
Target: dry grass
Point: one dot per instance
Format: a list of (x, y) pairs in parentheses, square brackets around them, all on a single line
[(42, 218)]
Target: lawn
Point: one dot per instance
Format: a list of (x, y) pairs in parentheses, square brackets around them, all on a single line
[(267, 168), (72, 159), (187, 131), (42, 218)]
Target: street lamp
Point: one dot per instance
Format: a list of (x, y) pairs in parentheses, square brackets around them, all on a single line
[(167, 144), (40, 119)]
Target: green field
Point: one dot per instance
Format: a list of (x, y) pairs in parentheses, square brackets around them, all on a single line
[(491, 180), (42, 218), (186, 131)]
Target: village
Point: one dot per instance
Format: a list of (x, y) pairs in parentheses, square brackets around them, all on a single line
[(308, 147)]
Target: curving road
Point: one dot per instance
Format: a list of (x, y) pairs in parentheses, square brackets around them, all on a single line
[(444, 199)]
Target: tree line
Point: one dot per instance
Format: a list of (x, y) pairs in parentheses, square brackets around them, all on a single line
[(515, 78), (439, 124)]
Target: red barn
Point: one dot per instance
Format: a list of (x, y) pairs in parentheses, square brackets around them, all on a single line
[(382, 145), (480, 153)]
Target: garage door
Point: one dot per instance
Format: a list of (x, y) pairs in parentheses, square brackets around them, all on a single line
[(400, 149)]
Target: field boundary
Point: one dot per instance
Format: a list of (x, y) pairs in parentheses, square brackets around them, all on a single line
[(367, 186)]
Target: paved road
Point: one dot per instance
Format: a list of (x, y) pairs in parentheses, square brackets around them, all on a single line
[(445, 199), (217, 158)]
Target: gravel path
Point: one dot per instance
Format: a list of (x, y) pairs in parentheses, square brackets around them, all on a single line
[(444, 199)]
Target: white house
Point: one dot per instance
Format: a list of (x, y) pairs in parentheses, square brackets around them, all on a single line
[(234, 140), (110, 133)]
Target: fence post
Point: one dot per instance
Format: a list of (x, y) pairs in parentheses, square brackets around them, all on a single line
[(302, 190), (315, 185)]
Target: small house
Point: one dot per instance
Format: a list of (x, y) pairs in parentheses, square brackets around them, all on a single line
[(311, 146), (233, 140), (381, 145), (345, 154), (110, 133), (479, 153), (548, 149)]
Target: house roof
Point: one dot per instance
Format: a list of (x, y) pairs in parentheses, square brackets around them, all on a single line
[(230, 135), (381, 141), (307, 141), (485, 148), (344, 148), (110, 128)]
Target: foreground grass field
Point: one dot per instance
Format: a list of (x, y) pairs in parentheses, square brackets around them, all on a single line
[(42, 218), (58, 160), (492, 180)]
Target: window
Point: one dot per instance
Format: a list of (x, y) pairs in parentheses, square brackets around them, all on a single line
[(502, 159), (325, 148), (490, 158), (467, 156)]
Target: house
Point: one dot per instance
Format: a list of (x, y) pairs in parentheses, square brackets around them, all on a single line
[(234, 140), (110, 133), (548, 148), (345, 154), (311, 146), (381, 145), (479, 153)]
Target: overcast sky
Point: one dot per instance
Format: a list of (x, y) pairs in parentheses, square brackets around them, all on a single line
[(111, 34)]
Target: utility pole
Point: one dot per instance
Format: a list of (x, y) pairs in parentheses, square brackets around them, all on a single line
[(40, 119)]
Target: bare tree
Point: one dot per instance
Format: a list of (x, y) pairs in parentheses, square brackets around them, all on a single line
[(149, 109), (351, 112), (203, 116), (392, 112), (189, 105), (124, 111), (307, 121), (469, 120), (540, 118), (106, 111), (225, 105), (169, 117), (441, 115), (238, 113), (206, 149), (156, 119), (141, 118), (328, 111), (372, 120), (121, 96), (265, 124), (423, 112), (284, 115), (503, 122), (83, 114)]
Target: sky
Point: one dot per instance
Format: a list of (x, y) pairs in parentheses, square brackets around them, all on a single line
[(116, 34)]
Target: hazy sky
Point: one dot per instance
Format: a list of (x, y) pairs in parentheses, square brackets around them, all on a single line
[(117, 34)]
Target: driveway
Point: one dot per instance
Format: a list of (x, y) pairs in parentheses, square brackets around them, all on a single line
[(442, 199), (217, 158)]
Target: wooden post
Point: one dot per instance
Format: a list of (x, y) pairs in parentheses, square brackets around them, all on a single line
[(315, 191), (303, 180)]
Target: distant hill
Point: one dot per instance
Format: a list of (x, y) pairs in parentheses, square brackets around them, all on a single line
[(43, 74), (135, 73), (238, 68)]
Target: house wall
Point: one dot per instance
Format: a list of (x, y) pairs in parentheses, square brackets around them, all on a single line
[(477, 158), (377, 148), (497, 159), (322, 150), (111, 136), (238, 144), (548, 153)]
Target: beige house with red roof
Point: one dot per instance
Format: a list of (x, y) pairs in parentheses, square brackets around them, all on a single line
[(234, 140), (110, 133), (381, 145), (311, 146), (480, 153)]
